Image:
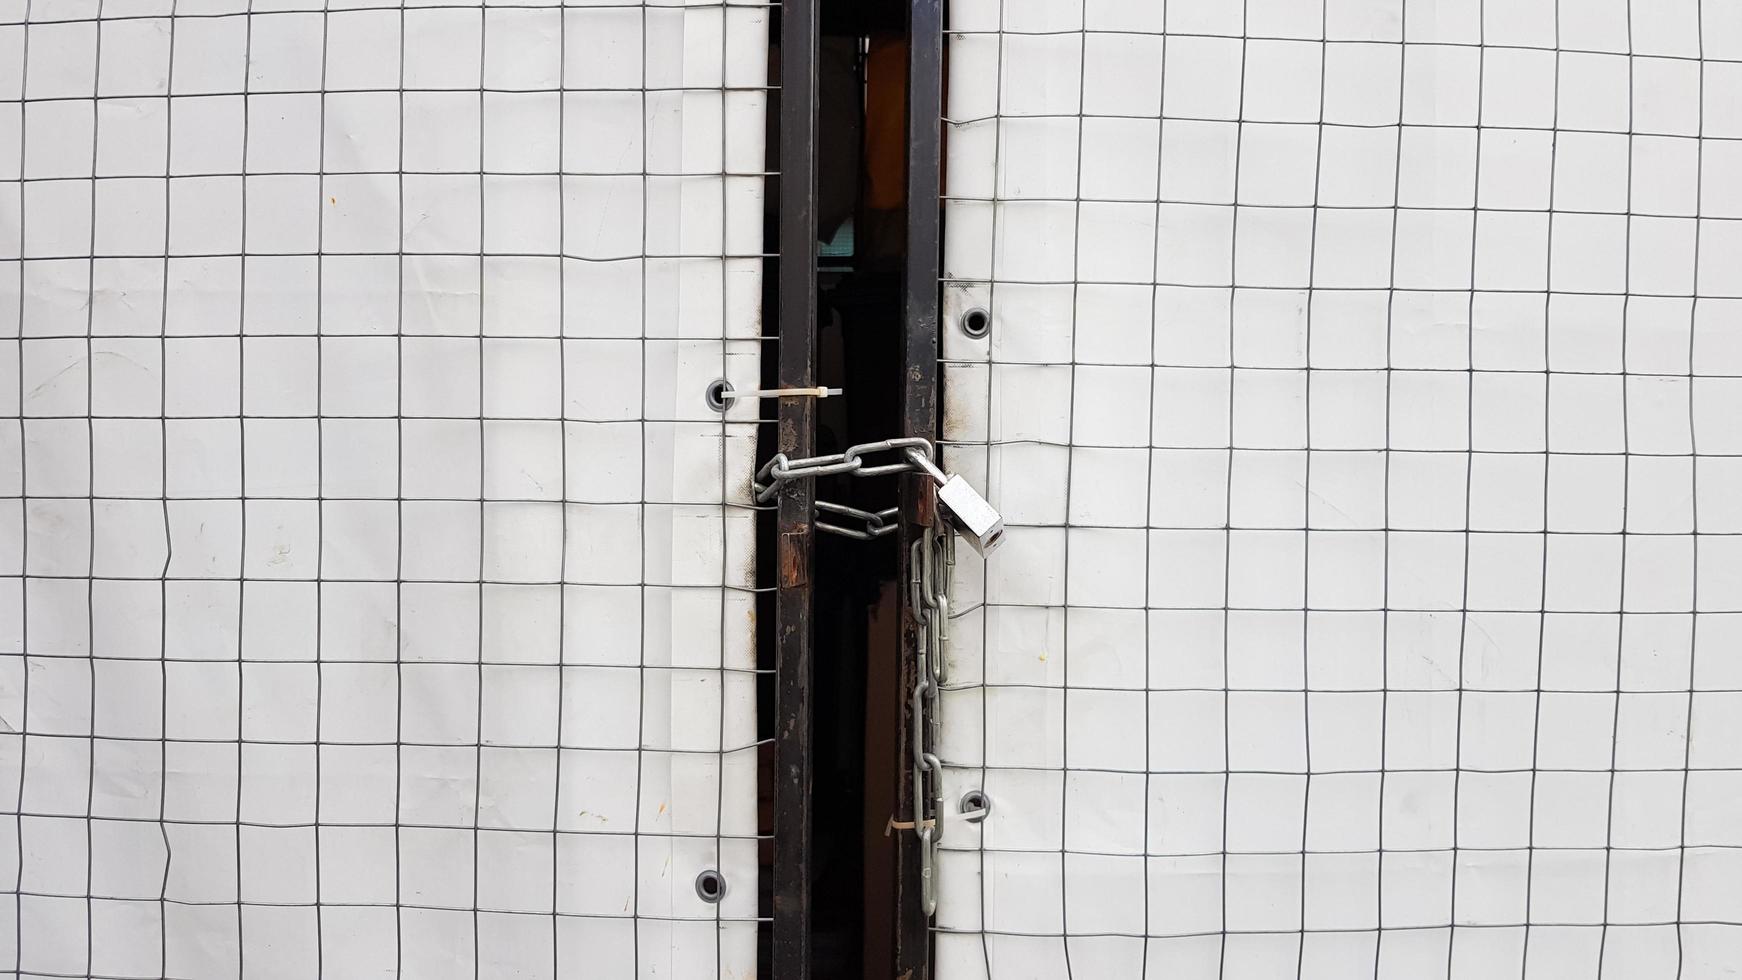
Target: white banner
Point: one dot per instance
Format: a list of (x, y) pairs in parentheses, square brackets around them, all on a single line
[(1363, 396), (374, 575)]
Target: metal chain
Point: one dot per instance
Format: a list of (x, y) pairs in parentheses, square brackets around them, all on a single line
[(932, 562), (779, 469), (870, 525)]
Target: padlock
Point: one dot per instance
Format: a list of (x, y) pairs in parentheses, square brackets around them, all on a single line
[(968, 512)]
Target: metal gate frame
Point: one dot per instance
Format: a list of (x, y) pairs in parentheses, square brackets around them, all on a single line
[(797, 353)]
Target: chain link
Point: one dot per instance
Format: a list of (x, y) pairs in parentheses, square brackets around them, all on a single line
[(876, 523)]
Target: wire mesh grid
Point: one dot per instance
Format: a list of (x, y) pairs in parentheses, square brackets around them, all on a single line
[(377, 580), (1362, 399)]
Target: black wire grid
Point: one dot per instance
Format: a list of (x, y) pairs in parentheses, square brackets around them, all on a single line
[(377, 581), (1372, 594)]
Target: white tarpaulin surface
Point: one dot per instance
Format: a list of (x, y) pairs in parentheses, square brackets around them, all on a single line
[(1364, 396), (375, 575)]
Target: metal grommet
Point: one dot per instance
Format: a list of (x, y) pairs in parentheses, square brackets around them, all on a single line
[(976, 322), (711, 886), (716, 394), (975, 805)]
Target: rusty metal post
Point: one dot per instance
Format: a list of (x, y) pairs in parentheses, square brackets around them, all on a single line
[(797, 437)]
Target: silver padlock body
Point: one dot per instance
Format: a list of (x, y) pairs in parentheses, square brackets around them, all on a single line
[(971, 515)]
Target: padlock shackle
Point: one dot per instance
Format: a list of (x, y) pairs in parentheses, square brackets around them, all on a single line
[(923, 461)]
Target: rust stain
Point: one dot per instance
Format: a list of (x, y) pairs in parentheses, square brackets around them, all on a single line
[(794, 570), (925, 510)]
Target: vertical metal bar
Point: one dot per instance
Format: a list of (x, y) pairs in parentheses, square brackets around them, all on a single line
[(797, 437), (924, 168), (919, 316)]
